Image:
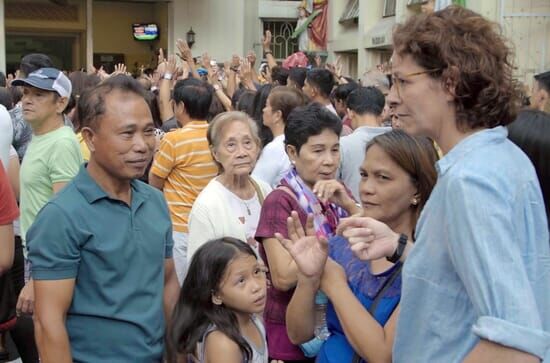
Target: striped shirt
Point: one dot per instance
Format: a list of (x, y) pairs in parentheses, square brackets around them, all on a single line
[(185, 163)]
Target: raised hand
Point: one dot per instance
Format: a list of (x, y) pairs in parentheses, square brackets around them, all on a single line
[(266, 40), (235, 61), (369, 238), (206, 60), (170, 66), (309, 252), (251, 58), (120, 68), (184, 50)]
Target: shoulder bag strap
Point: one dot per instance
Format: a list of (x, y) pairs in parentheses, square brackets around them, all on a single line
[(259, 191), (372, 309)]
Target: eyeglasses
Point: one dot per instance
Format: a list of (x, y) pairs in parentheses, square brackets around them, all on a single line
[(399, 82)]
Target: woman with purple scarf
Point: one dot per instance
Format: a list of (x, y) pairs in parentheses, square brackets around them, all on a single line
[(312, 144)]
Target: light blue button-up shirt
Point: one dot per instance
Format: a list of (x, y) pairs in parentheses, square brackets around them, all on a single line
[(480, 268)]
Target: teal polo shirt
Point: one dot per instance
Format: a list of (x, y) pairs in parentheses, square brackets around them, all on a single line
[(116, 253)]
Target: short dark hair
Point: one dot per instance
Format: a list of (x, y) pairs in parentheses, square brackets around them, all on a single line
[(543, 80), (91, 105), (366, 100), (2, 79), (311, 120), (16, 94), (5, 98), (33, 62), (321, 79), (342, 91), (195, 95), (298, 75), (279, 75), (531, 132), (245, 102)]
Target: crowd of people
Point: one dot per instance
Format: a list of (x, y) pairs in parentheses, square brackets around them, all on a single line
[(246, 212)]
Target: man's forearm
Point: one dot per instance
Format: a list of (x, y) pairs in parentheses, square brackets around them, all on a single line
[(52, 341)]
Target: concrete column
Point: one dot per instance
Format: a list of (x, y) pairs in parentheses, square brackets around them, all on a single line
[(89, 35), (2, 38)]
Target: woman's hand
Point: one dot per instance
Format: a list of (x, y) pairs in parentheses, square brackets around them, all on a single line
[(309, 252), (369, 238), (335, 192), (333, 276)]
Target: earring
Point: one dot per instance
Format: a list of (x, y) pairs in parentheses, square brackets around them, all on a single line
[(293, 162), (414, 201)]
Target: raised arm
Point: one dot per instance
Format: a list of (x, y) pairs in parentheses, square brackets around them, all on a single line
[(166, 69), (187, 56), (310, 255), (266, 43)]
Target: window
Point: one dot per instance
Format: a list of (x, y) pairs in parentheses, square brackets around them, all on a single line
[(389, 8), (416, 2), (282, 44), (351, 13)]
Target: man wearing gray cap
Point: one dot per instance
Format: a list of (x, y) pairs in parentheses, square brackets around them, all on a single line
[(540, 97), (53, 156)]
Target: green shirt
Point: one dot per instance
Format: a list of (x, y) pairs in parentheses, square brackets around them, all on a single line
[(50, 158), (116, 253)]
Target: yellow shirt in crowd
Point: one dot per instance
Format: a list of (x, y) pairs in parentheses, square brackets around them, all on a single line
[(185, 163)]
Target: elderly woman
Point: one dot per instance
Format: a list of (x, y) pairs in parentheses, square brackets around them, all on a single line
[(313, 147), (397, 177), (230, 205)]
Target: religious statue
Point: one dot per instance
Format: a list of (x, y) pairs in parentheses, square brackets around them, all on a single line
[(311, 29)]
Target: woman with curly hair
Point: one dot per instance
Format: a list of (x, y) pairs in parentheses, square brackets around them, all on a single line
[(475, 285)]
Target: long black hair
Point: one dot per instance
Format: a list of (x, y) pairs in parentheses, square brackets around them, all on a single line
[(195, 311)]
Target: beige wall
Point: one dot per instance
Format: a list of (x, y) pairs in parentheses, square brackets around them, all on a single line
[(112, 30), (218, 25)]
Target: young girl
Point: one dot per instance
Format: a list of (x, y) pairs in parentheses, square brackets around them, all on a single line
[(217, 316)]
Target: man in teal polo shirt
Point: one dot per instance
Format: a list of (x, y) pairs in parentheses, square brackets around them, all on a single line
[(101, 250)]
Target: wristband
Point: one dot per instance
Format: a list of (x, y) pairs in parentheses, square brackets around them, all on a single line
[(266, 52), (401, 244), (167, 76)]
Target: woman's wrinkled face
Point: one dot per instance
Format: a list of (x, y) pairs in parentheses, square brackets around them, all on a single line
[(237, 150), (387, 191), (318, 158)]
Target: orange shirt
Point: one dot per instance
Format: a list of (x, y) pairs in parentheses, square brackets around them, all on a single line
[(185, 163)]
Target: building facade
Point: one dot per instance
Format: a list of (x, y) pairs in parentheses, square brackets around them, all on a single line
[(81, 33)]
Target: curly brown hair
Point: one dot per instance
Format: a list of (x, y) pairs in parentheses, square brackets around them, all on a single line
[(470, 53)]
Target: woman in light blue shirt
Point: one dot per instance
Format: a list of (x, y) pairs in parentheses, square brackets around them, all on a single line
[(476, 283)]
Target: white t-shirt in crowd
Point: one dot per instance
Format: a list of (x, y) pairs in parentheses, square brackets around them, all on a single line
[(273, 163), (246, 210), (331, 108), (352, 154), (6, 135), (16, 228)]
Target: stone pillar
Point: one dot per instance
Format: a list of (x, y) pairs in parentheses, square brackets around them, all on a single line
[(89, 35)]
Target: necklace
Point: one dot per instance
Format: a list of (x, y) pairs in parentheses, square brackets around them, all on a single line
[(247, 207)]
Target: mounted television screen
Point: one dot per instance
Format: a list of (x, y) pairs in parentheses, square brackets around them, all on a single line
[(145, 31)]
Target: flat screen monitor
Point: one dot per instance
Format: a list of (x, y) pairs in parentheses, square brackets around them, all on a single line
[(145, 31)]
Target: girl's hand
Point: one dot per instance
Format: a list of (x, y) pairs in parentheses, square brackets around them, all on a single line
[(309, 252)]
